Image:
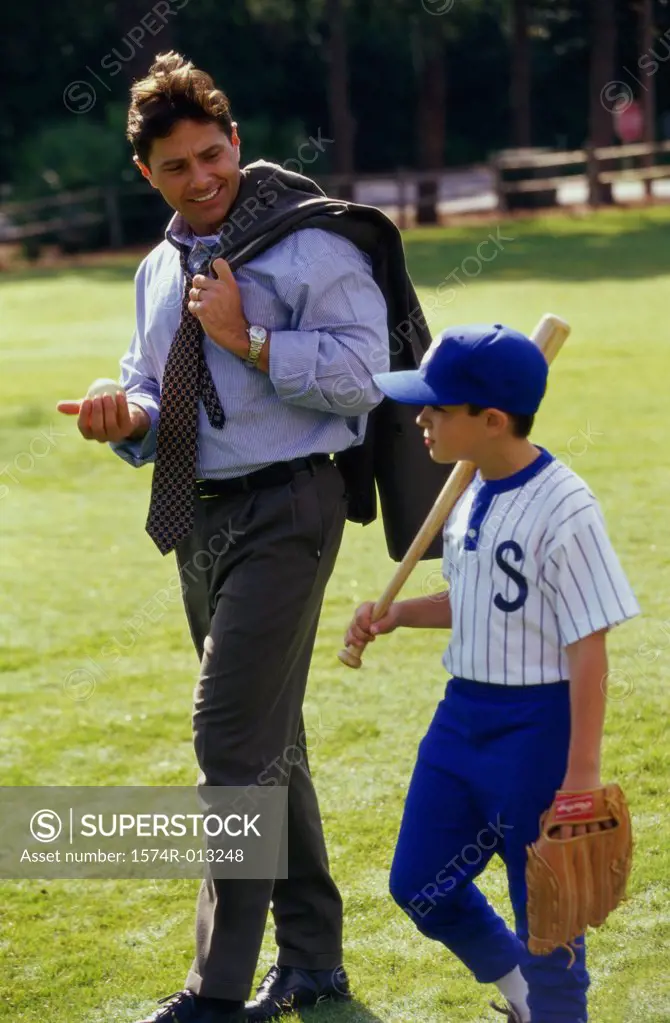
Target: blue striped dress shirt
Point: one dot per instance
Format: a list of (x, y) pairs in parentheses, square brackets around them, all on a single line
[(315, 292)]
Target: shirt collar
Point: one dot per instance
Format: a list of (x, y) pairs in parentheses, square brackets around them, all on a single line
[(179, 233), (518, 479), (198, 249)]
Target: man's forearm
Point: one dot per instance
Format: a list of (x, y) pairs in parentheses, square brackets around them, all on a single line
[(325, 371), (238, 344), (432, 612), (587, 661)]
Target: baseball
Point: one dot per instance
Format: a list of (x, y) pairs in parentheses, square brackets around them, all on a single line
[(104, 385)]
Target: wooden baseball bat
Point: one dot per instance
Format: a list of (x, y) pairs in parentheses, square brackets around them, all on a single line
[(549, 336)]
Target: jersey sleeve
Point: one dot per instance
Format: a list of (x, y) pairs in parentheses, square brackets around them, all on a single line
[(582, 577)]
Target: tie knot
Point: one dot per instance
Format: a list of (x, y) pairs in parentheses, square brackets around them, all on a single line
[(196, 260)]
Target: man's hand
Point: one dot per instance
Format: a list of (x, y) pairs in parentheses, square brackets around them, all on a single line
[(108, 418), (362, 630), (217, 303)]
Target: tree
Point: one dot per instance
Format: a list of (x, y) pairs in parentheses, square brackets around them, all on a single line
[(323, 22), (646, 38), (439, 28), (341, 119), (431, 114), (601, 73), (135, 50), (520, 80)]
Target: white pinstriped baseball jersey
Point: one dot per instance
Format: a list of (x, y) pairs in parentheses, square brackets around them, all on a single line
[(530, 570)]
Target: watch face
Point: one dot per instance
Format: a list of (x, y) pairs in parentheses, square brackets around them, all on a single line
[(257, 333)]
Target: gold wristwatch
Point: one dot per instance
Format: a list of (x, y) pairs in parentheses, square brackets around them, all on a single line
[(257, 338)]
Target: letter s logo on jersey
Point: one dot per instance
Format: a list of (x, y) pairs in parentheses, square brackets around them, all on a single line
[(520, 599)]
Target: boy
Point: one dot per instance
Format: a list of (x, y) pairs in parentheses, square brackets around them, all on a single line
[(534, 585)]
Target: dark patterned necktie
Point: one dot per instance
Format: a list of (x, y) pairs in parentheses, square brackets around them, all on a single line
[(186, 379)]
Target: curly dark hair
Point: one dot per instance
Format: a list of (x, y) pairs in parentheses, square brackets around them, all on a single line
[(174, 90)]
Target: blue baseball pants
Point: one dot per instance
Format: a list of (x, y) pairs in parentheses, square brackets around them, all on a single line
[(489, 765)]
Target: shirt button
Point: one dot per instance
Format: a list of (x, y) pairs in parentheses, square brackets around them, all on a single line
[(472, 532)]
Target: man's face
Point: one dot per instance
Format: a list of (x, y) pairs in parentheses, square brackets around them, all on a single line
[(197, 171)]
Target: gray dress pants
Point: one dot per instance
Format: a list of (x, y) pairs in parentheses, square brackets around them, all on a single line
[(253, 574)]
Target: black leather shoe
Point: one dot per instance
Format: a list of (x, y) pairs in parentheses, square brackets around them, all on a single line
[(287, 988), (186, 1007)]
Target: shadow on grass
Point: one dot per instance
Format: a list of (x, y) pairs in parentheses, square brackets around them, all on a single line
[(612, 244), (122, 269), (337, 1012), (616, 245)]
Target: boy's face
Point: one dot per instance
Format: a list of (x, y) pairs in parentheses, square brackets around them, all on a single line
[(452, 434), (197, 171)]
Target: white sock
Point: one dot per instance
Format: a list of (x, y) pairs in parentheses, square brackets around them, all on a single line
[(515, 990)]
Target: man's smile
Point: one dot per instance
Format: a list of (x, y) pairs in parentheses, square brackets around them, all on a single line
[(209, 196)]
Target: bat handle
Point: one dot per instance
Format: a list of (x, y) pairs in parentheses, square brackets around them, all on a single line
[(351, 656)]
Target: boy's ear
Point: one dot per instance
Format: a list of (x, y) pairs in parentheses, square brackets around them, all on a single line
[(497, 420)]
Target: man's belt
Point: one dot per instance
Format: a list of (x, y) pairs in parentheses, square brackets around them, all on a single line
[(271, 476)]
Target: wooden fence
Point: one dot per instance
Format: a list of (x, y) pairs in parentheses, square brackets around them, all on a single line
[(69, 214), (526, 172), (512, 179)]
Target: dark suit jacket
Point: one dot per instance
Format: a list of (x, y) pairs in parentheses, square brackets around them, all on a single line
[(273, 202)]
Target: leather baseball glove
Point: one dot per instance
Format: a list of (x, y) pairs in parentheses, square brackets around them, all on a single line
[(576, 882)]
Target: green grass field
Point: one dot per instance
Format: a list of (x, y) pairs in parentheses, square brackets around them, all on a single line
[(77, 566)]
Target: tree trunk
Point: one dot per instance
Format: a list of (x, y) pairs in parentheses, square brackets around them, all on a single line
[(430, 119), (646, 37), (341, 120), (602, 71), (137, 47), (520, 75)]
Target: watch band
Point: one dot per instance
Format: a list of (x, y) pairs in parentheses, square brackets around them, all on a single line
[(257, 338)]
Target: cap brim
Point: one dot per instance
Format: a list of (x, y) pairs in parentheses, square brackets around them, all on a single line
[(408, 386)]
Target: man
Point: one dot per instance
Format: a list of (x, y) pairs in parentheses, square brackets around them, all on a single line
[(284, 376), (243, 376)]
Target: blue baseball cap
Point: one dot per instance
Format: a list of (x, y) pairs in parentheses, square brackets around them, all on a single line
[(478, 364)]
